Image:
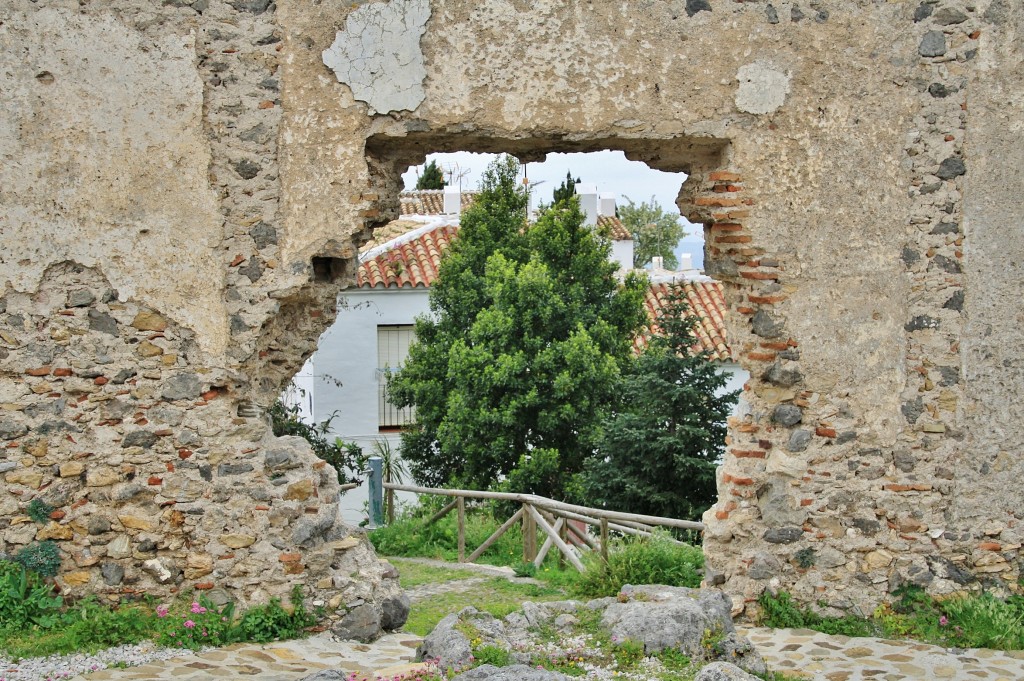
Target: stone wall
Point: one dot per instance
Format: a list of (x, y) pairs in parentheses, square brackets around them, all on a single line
[(185, 186)]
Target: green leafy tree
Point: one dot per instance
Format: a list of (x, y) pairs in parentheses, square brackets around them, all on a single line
[(432, 177), (513, 370), (658, 451), (654, 231), (567, 189)]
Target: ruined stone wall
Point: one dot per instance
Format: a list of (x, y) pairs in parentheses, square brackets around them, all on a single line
[(182, 205)]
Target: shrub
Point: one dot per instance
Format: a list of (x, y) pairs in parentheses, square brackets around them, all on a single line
[(984, 621), (654, 560), (43, 558), (39, 511), (271, 622), (26, 601)]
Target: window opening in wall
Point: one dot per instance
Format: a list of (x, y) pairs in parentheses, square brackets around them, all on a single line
[(619, 182), (393, 343)]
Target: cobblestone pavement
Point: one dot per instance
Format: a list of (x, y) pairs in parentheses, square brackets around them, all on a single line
[(799, 653), (812, 655), (389, 656)]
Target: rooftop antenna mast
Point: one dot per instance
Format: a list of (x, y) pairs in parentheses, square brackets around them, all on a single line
[(455, 173)]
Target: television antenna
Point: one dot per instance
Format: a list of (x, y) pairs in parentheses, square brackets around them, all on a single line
[(455, 172)]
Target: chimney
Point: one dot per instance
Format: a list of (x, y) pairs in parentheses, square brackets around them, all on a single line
[(452, 200), (657, 263), (607, 205), (588, 202), (685, 261)]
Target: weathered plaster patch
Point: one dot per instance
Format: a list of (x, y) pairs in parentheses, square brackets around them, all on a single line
[(763, 88), (378, 54)]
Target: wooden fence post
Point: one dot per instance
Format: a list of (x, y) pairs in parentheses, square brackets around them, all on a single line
[(604, 539), (462, 529), (529, 535)]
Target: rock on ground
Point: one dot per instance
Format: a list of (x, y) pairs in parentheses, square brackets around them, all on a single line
[(517, 672), (723, 671), (662, 617)]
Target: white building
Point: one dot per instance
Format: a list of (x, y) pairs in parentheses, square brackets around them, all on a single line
[(345, 378)]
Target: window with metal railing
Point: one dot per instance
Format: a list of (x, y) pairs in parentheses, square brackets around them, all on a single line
[(393, 343)]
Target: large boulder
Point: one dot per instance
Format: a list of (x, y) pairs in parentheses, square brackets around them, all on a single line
[(662, 617), (446, 644), (516, 672), (723, 671)]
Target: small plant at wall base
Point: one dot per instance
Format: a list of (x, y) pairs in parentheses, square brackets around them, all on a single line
[(346, 457), (39, 511), (966, 621), (42, 558)]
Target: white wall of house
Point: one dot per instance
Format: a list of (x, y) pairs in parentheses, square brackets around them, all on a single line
[(737, 376), (622, 253), (347, 354)]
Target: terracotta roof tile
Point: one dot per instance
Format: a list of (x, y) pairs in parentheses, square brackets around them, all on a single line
[(414, 263), (614, 228), (707, 303), (429, 201), (411, 264)]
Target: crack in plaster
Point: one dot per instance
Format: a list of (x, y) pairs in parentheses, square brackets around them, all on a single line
[(378, 54)]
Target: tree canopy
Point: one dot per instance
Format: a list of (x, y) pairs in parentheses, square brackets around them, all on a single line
[(432, 177), (654, 231), (658, 449), (567, 189), (516, 365)]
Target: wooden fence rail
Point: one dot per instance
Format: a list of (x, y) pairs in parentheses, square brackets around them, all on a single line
[(553, 518)]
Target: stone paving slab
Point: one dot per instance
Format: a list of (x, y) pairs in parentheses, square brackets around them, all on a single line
[(279, 661), (803, 653), (800, 653)]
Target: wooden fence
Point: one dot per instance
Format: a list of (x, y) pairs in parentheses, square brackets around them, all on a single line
[(552, 518)]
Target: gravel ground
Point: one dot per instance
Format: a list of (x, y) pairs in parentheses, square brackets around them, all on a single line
[(56, 667)]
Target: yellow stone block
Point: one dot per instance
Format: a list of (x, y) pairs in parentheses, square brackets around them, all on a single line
[(299, 491), (344, 544), (76, 578), (53, 530), (29, 478), (237, 541), (136, 523), (71, 469), (147, 349)]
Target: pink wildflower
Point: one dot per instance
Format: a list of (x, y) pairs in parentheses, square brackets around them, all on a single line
[(943, 621), (198, 609), (189, 624), (161, 611)]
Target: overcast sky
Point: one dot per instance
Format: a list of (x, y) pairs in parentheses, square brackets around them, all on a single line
[(611, 171)]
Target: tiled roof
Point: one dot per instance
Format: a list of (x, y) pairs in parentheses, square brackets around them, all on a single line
[(707, 303), (614, 228), (413, 261), (429, 201)]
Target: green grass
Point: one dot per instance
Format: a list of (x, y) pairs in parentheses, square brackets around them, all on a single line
[(35, 621), (966, 621), (654, 560), (413, 574), (410, 536), (497, 596)]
